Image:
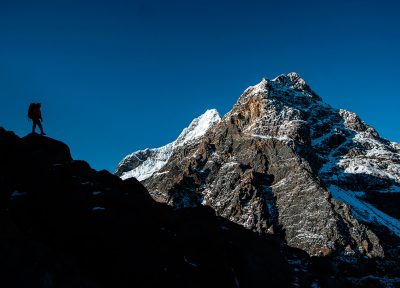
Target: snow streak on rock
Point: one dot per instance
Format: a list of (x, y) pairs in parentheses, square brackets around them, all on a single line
[(284, 162), (144, 163), (364, 210)]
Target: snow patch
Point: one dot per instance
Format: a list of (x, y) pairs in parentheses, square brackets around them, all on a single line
[(190, 262), (160, 156), (260, 87), (198, 127), (281, 138), (161, 173), (98, 208), (17, 194), (365, 211)]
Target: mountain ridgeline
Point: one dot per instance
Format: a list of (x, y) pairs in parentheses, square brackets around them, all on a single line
[(283, 191), (283, 163), (63, 224)]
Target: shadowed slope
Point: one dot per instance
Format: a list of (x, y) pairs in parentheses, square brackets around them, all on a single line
[(63, 224)]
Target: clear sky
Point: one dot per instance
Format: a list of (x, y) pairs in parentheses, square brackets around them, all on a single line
[(116, 76)]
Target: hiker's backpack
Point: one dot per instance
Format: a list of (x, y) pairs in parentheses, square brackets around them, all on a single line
[(31, 110)]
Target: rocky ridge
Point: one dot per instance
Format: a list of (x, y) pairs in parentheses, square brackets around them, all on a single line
[(144, 163), (63, 224), (283, 162)]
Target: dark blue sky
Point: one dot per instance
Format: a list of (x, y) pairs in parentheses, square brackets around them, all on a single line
[(117, 76)]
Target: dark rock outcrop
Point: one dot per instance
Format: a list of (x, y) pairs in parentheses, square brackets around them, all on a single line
[(63, 224)]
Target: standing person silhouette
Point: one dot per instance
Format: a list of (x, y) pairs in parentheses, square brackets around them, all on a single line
[(36, 115)]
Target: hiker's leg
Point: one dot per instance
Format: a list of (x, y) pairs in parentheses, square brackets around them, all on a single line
[(39, 123), (33, 125)]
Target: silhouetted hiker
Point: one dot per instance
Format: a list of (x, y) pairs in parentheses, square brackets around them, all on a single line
[(35, 114)]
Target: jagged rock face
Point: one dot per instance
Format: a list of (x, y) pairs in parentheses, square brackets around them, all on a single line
[(143, 164), (63, 224), (260, 183), (284, 162)]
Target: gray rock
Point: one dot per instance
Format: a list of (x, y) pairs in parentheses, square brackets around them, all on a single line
[(283, 162)]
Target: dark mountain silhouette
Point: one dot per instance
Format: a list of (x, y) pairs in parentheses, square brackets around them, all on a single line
[(63, 224)]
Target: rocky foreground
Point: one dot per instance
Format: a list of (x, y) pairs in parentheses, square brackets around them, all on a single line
[(63, 224)]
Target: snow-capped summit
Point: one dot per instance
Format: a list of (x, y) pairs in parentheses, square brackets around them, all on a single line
[(198, 127), (292, 80), (144, 163), (284, 162)]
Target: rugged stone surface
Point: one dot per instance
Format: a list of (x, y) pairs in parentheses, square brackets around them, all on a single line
[(143, 164), (63, 224), (283, 162)]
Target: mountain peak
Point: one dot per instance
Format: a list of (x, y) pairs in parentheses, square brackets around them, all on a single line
[(292, 80), (198, 126), (285, 87), (276, 108), (284, 162), (143, 164), (261, 87)]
